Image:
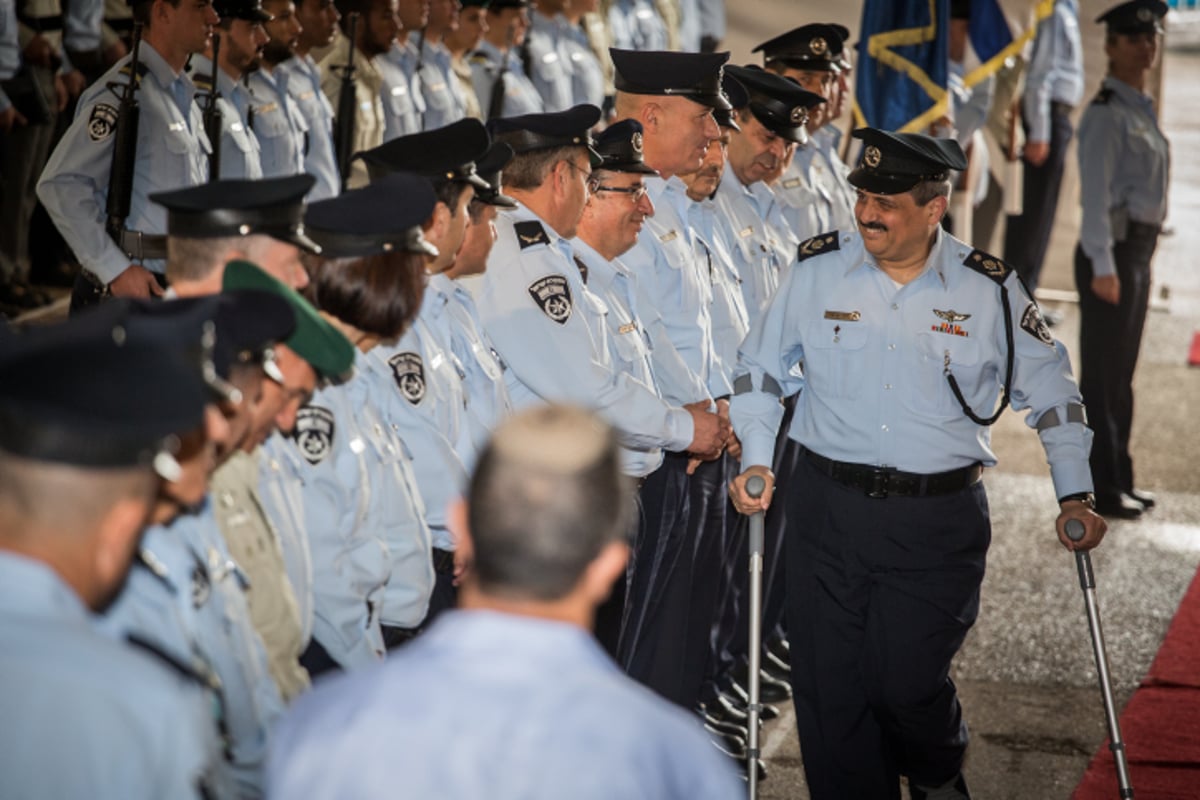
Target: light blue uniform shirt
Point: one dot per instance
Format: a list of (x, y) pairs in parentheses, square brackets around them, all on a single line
[(759, 250), (534, 709), (439, 87), (629, 344), (81, 24), (422, 398), (730, 319), (828, 138), (520, 95), (277, 122), (86, 716), (486, 395), (806, 211), (874, 356), (192, 568), (240, 157), (587, 74), (172, 153), (550, 329), (402, 105), (1125, 165), (304, 85), (281, 488), (637, 25), (670, 274), (10, 48), (1055, 71), (548, 62)]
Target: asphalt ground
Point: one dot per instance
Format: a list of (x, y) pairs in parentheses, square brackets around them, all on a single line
[(1026, 674)]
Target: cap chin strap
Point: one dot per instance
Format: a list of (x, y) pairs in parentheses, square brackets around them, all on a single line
[(1008, 370)]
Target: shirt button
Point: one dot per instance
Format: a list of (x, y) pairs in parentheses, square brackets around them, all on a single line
[(891, 347), (887, 386), (895, 307), (885, 428)]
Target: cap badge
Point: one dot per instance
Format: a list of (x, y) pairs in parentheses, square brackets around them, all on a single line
[(799, 115), (872, 156), (818, 46), (1145, 14), (636, 141)]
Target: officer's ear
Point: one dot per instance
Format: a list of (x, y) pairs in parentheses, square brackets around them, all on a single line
[(115, 540), (438, 225), (935, 210), (600, 575)]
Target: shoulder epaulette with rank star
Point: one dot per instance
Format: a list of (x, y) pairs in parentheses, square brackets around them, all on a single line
[(1103, 96), (825, 243), (203, 83), (531, 232), (987, 265)]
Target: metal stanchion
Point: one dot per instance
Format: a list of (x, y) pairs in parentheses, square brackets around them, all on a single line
[(755, 486), (1087, 581)]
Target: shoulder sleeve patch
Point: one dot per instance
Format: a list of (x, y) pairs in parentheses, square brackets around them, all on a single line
[(988, 266), (825, 243), (409, 372), (1033, 323), (553, 296), (102, 122), (314, 433), (530, 233), (1103, 96)]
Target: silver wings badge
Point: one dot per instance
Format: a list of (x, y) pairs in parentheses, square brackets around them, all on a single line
[(951, 315)]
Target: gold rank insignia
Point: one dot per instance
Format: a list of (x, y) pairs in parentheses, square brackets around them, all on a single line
[(987, 265), (843, 316), (824, 243)]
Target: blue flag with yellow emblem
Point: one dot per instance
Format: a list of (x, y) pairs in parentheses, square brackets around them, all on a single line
[(903, 64)]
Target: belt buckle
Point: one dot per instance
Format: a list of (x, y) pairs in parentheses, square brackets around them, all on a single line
[(877, 485)]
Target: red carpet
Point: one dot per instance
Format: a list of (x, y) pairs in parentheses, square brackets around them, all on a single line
[(1161, 724)]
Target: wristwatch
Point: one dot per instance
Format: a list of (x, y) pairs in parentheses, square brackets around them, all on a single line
[(1087, 498)]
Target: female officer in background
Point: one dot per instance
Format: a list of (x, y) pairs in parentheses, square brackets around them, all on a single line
[(1124, 162)]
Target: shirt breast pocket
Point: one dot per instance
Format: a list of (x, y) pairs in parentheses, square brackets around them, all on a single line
[(629, 344), (928, 391), (834, 357), (399, 102), (272, 129), (185, 154)]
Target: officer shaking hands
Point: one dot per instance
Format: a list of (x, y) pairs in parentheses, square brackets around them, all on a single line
[(907, 336)]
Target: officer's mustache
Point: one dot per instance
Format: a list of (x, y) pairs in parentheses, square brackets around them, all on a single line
[(873, 226)]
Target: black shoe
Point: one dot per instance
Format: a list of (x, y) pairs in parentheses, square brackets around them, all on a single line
[(732, 746), (955, 789), (770, 688), (1121, 506), (1146, 499), (728, 709), (738, 696), (777, 667), (780, 649), (712, 722)]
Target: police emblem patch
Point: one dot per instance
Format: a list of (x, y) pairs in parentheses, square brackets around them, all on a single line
[(201, 586), (1033, 323), (409, 372), (872, 156), (314, 433), (102, 122), (553, 296)]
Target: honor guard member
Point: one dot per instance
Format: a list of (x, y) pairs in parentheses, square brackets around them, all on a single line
[(637, 25), (375, 34), (809, 55), (184, 564), (318, 19), (242, 39), (261, 532), (772, 123), (86, 416), (1124, 198), (440, 90), (549, 68), (548, 512), (462, 41), (371, 561), (501, 83), (883, 575), (274, 116), (403, 105), (208, 227), (425, 379), (316, 352), (588, 81), (171, 152)]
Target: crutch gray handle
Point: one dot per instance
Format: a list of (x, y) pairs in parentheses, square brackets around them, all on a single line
[(1075, 531), (755, 486)]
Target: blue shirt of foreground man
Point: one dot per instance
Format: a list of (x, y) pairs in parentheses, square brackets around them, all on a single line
[(906, 336), (510, 696)]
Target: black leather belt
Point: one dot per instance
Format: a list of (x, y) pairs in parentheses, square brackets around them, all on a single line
[(443, 561), (42, 24), (1141, 230), (880, 482)]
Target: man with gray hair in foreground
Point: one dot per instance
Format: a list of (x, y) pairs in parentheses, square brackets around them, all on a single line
[(509, 696)]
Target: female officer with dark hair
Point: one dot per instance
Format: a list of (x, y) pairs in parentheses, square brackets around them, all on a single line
[(1123, 165), (372, 573)]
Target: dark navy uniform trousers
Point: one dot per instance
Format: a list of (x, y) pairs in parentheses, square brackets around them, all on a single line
[(881, 593)]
